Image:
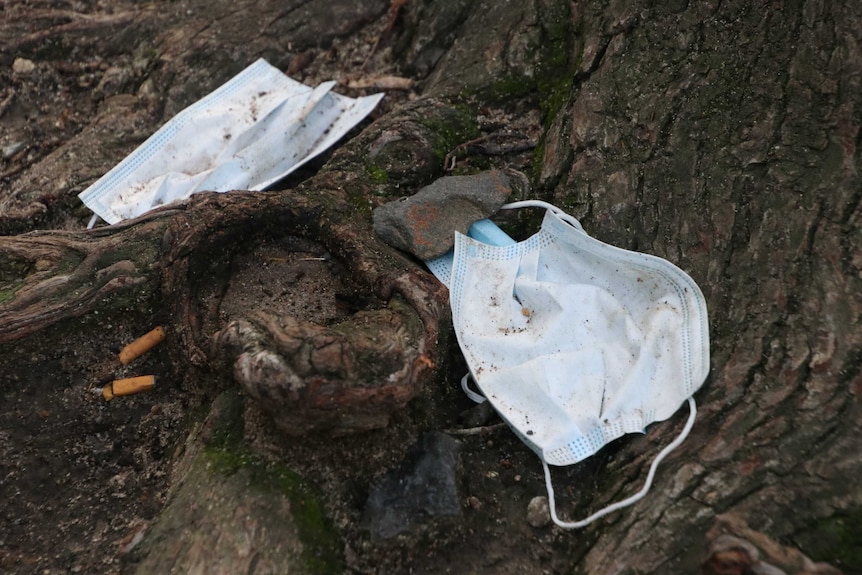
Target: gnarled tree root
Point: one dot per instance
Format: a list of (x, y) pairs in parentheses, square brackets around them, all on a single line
[(344, 377)]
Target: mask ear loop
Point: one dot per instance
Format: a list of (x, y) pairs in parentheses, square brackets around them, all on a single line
[(630, 500), (469, 392), (571, 220)]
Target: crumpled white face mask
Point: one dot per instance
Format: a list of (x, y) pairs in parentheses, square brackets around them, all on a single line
[(576, 343), (246, 135)]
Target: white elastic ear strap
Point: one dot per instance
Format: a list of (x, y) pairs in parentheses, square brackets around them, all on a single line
[(630, 500), (571, 220), (469, 392)]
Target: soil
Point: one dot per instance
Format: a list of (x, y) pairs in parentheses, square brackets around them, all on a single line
[(81, 476)]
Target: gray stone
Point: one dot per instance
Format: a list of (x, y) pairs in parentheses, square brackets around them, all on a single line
[(539, 511), (478, 415), (424, 224), (23, 67), (424, 489)]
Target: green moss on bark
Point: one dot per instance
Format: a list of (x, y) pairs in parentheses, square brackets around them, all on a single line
[(835, 540), (450, 129), (227, 454)]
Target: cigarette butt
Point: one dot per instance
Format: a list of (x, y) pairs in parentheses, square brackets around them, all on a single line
[(141, 345), (130, 386)]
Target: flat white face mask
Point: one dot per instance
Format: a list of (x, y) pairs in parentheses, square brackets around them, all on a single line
[(576, 343), (246, 135)]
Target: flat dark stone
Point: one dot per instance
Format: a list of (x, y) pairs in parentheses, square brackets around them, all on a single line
[(425, 488), (425, 224)]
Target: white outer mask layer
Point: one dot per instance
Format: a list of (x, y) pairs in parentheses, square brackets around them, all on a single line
[(575, 342), (249, 133)]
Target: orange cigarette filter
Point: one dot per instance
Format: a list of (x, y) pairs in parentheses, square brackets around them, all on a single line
[(141, 345), (130, 386)]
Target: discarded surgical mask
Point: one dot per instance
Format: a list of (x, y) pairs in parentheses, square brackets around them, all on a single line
[(574, 342), (246, 135)]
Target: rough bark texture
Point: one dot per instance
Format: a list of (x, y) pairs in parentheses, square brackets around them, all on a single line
[(731, 147), (721, 135)]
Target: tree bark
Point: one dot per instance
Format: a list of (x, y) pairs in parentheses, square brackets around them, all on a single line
[(723, 136), (731, 147)]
